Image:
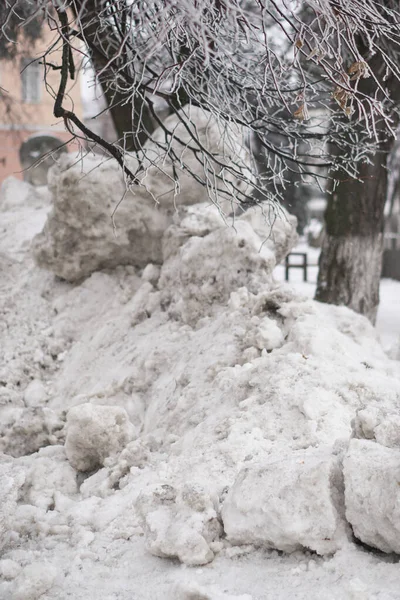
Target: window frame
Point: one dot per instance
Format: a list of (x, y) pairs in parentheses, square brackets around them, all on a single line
[(31, 81)]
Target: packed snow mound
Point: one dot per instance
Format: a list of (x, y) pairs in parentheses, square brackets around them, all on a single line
[(200, 149), (196, 403), (97, 222), (82, 235)]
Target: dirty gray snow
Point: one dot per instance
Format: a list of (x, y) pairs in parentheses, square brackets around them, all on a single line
[(174, 423)]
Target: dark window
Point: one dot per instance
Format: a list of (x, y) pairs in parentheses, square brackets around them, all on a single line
[(31, 78)]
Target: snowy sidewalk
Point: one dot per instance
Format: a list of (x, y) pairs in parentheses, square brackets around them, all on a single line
[(388, 321)]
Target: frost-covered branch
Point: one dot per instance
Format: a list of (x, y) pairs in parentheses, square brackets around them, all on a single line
[(283, 71)]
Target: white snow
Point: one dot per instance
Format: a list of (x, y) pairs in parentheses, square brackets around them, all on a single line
[(388, 318), (372, 481), (286, 503), (198, 410), (180, 524), (94, 433)]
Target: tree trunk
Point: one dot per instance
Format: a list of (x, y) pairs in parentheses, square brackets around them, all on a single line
[(131, 116), (351, 257)]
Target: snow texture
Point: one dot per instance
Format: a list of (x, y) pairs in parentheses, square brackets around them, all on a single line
[(287, 503), (94, 433), (98, 222), (192, 406), (81, 236), (372, 484), (180, 524)]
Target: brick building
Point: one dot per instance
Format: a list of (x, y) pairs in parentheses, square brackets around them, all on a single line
[(27, 125)]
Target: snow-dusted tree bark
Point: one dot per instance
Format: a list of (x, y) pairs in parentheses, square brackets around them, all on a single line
[(351, 257), (130, 113)]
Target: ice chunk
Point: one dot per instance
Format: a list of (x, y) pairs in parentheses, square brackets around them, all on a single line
[(372, 494), (286, 503), (94, 433), (179, 524)]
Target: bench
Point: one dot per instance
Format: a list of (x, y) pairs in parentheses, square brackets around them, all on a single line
[(304, 264)]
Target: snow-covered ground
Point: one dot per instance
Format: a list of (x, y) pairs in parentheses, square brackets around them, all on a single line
[(388, 319), (192, 430)]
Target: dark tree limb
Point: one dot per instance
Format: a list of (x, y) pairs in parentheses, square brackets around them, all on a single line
[(69, 116), (130, 114)]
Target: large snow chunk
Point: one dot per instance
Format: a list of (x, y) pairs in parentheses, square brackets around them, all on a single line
[(80, 236), (219, 144), (288, 503), (28, 429), (95, 433), (372, 494), (276, 227), (205, 270), (374, 423), (179, 523)]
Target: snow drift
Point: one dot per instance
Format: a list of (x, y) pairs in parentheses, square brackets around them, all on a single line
[(78, 240), (195, 400)]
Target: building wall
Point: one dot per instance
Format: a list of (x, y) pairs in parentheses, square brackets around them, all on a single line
[(20, 120)]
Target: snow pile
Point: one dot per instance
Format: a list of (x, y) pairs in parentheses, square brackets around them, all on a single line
[(97, 223), (194, 402), (236, 388)]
